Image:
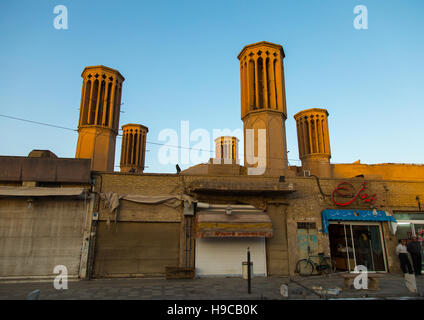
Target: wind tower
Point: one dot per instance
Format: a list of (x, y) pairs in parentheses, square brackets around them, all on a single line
[(314, 141), (133, 149), (99, 116), (226, 150), (263, 106)]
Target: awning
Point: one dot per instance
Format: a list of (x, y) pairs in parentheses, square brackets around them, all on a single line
[(218, 224), (112, 199), (353, 215), (245, 186), (40, 192)]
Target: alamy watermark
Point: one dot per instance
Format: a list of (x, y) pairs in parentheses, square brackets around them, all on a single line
[(361, 280), (361, 20), (61, 20), (190, 148), (60, 282)]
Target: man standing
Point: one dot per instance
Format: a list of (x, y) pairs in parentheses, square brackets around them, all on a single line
[(414, 248), (402, 252)]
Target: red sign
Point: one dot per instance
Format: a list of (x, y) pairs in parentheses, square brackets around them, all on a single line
[(345, 190)]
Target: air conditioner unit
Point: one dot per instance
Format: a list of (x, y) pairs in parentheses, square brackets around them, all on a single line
[(306, 173)]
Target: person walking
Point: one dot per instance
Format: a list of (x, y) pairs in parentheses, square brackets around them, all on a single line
[(402, 252), (414, 248)]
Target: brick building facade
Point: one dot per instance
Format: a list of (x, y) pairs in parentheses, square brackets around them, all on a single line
[(136, 224)]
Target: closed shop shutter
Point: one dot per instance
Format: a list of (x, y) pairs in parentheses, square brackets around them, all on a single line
[(136, 248), (37, 236), (224, 256)]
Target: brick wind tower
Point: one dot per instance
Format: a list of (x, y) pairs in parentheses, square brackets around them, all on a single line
[(99, 116), (133, 149), (263, 104), (314, 141), (226, 150)]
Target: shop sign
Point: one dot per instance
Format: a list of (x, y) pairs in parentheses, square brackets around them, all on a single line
[(347, 190)]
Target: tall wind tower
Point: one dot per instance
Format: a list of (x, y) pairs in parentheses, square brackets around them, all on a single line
[(263, 106), (314, 141), (99, 116)]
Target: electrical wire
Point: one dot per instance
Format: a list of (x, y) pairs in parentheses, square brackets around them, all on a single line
[(37, 122), (120, 136)]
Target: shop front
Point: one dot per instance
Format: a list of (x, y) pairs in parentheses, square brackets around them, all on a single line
[(410, 224), (356, 238), (224, 233)]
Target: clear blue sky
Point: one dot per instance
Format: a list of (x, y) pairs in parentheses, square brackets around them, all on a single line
[(179, 59)]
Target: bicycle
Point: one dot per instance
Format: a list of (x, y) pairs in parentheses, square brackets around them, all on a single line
[(305, 267)]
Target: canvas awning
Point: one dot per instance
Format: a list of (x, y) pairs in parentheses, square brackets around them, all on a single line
[(112, 199), (353, 215), (212, 224), (40, 192)]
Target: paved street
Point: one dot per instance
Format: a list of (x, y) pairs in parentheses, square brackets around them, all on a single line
[(392, 286)]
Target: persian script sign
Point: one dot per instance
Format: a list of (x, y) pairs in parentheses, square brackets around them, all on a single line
[(347, 190)]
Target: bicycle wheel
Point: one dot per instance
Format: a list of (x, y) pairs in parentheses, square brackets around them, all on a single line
[(329, 265), (304, 267)]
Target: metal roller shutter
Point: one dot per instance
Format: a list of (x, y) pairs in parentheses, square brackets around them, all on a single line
[(136, 248), (35, 238), (224, 256)]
